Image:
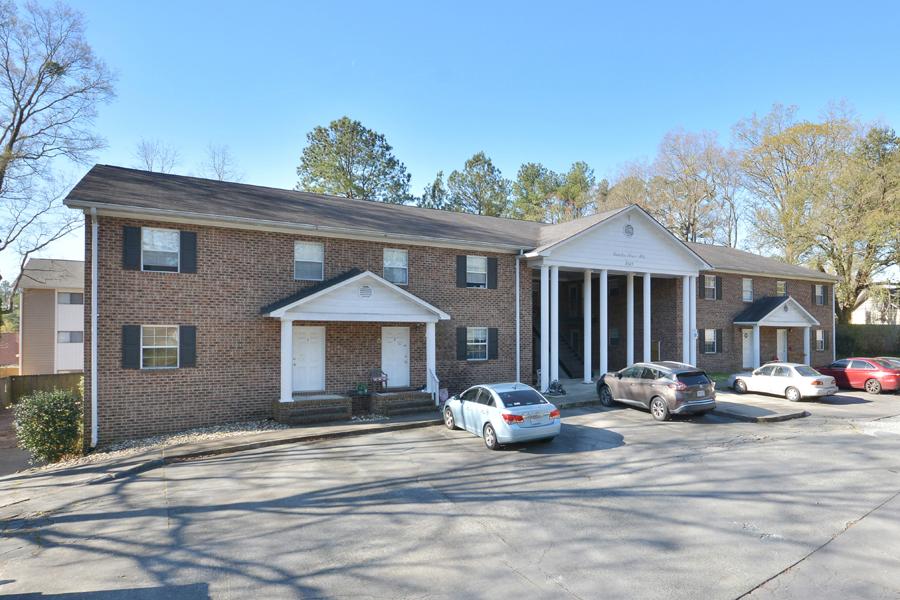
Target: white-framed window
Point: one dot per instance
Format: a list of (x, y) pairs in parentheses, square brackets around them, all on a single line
[(476, 271), (309, 261), (70, 298), (476, 343), (820, 294), (747, 289), (709, 287), (159, 346), (160, 249), (781, 288), (820, 340), (396, 266), (70, 337), (709, 341)]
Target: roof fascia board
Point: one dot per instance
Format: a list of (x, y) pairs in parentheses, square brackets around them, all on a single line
[(167, 216), (825, 276), (537, 262)]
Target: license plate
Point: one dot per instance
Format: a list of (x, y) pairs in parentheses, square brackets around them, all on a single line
[(536, 419), (701, 393)]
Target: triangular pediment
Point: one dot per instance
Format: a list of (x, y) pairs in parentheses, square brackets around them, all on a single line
[(776, 311)]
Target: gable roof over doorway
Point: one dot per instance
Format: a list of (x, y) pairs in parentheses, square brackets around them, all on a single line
[(775, 311), (355, 296)]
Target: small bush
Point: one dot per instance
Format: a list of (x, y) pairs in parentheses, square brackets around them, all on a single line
[(48, 424)]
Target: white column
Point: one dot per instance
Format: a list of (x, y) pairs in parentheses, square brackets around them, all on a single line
[(756, 346), (647, 355), (430, 358), (686, 319), (554, 323), (693, 332), (287, 360), (806, 357), (545, 328), (629, 320), (604, 321), (586, 301)]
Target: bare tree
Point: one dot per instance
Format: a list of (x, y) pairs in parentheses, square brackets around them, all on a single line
[(51, 85), (220, 164), (154, 155)]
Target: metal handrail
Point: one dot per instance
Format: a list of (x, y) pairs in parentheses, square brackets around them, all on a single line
[(435, 385)]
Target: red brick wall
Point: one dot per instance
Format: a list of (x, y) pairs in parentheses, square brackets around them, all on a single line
[(238, 365)]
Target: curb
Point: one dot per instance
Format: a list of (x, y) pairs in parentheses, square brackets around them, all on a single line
[(314, 437), (763, 419)]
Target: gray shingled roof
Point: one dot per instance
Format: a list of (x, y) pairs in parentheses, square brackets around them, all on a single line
[(759, 308), (52, 273), (133, 190)]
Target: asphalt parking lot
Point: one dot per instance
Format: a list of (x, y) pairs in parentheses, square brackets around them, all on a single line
[(619, 506)]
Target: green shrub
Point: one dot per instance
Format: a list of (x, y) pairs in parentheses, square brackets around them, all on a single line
[(48, 424)]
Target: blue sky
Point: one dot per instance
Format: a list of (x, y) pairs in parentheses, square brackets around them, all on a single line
[(553, 82)]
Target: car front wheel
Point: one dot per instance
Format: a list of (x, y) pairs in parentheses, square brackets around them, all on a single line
[(490, 437), (740, 386), (449, 421), (606, 398), (873, 386), (792, 394), (659, 409)]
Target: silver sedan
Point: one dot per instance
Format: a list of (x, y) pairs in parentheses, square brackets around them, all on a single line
[(503, 413)]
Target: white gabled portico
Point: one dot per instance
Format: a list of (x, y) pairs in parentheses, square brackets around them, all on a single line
[(354, 296), (628, 242), (782, 313)]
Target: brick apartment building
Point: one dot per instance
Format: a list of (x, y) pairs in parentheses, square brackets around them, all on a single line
[(208, 302)]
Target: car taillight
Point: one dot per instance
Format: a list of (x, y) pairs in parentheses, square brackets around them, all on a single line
[(511, 418), (554, 414), (678, 385), (818, 382)]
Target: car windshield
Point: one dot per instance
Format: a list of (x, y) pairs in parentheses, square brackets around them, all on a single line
[(693, 378), (806, 371), (521, 398)]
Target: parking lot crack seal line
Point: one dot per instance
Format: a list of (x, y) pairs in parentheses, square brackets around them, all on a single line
[(847, 526)]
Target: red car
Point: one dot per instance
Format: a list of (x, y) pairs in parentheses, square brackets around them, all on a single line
[(870, 374)]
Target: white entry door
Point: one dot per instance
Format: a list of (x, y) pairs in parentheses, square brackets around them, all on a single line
[(309, 359), (395, 355), (747, 345), (782, 345)]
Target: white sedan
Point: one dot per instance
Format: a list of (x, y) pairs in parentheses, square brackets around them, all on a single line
[(794, 381), (503, 413)]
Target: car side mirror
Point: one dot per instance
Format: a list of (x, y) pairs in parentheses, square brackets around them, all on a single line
[(756, 372), (619, 375)]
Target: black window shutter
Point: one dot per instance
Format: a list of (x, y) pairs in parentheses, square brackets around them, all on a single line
[(719, 348), (131, 346), (461, 350), (718, 287), (131, 248), (492, 343), (492, 273), (188, 252), (461, 271), (187, 346), (786, 291), (826, 292), (700, 341), (827, 336), (814, 294), (701, 286)]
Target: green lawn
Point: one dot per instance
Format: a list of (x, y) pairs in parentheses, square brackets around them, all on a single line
[(721, 379)]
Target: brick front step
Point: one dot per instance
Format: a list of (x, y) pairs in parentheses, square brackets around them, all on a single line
[(402, 403), (303, 411)]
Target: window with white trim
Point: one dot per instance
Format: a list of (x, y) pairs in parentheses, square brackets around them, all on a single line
[(820, 340), (820, 295), (70, 298), (396, 266), (709, 341), (747, 289), (309, 261), (709, 287), (159, 346), (476, 271), (781, 288), (160, 249), (70, 337), (476, 343)]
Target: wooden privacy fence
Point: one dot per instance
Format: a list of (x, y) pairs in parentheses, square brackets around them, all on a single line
[(15, 387)]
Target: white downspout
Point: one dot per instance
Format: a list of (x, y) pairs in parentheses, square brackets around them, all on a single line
[(833, 325), (518, 314), (95, 310)]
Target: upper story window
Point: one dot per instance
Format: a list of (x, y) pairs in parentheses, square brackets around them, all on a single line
[(709, 287), (820, 295), (159, 347), (477, 343), (396, 266), (476, 271), (309, 261), (747, 289), (781, 288), (160, 249), (70, 298)]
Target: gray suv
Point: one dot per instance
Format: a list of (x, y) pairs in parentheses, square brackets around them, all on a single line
[(665, 388)]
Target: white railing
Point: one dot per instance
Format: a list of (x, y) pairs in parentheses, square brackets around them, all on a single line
[(434, 384)]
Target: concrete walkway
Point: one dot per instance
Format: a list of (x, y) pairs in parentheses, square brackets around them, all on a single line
[(12, 458)]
